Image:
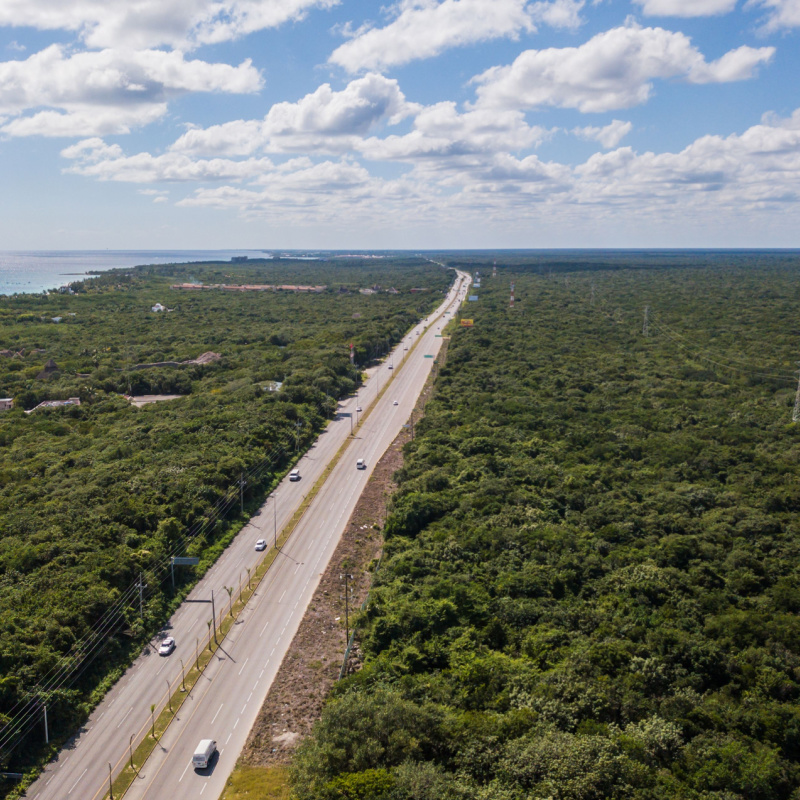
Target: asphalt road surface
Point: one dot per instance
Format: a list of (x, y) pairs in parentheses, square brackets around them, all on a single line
[(225, 702)]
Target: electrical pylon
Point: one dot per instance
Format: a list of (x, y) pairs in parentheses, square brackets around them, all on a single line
[(646, 325), (796, 410)]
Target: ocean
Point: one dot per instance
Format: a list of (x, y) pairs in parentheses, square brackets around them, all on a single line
[(34, 271)]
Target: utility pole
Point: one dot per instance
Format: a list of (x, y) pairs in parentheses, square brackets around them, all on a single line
[(46, 731), (346, 608), (241, 492), (796, 411), (275, 516), (110, 785), (646, 325), (141, 595)]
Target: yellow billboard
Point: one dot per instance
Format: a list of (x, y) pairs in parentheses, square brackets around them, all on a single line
[(466, 323)]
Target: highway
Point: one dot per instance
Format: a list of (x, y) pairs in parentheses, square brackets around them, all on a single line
[(225, 702)]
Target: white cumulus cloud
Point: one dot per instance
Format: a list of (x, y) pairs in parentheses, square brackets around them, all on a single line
[(425, 28), (94, 158), (440, 131), (105, 92), (613, 70), (322, 121), (559, 13), (609, 135), (781, 14), (686, 8), (142, 24)]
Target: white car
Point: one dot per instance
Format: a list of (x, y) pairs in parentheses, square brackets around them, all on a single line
[(261, 544), (167, 646), (394, 403), (294, 475), (358, 409)]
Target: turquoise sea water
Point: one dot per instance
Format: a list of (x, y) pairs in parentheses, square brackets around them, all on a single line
[(36, 271)]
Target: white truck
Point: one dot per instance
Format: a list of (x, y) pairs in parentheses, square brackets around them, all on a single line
[(203, 753)]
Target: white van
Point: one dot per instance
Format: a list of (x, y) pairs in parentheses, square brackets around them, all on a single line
[(203, 753), (294, 475), (361, 464)]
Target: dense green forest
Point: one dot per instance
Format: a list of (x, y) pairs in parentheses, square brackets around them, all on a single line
[(93, 496), (590, 586)]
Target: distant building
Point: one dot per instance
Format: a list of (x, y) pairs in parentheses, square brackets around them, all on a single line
[(57, 319), (6, 403), (239, 259), (50, 369), (48, 404), (158, 307)]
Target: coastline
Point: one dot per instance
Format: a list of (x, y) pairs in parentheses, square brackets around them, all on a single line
[(36, 271)]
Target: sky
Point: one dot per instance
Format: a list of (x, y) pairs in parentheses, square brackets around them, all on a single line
[(416, 124)]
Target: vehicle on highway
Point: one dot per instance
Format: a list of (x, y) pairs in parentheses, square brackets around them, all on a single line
[(167, 646), (261, 544), (361, 464), (391, 366), (405, 348), (394, 403), (203, 753), (358, 408), (294, 475)]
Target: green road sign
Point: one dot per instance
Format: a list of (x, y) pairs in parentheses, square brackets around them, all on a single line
[(427, 356)]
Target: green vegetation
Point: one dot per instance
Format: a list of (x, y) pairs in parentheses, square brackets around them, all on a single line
[(257, 783), (92, 497), (590, 587)]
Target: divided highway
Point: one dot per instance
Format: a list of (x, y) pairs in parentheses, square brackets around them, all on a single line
[(225, 702)]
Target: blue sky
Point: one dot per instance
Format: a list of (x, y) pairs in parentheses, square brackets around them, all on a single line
[(413, 124)]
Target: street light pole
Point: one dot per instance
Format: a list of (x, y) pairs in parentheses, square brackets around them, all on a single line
[(110, 785), (214, 617)]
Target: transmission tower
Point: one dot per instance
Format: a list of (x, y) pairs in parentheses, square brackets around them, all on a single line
[(796, 410), (646, 325), (592, 292)]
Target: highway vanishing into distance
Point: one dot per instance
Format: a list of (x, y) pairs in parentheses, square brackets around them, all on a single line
[(226, 700)]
